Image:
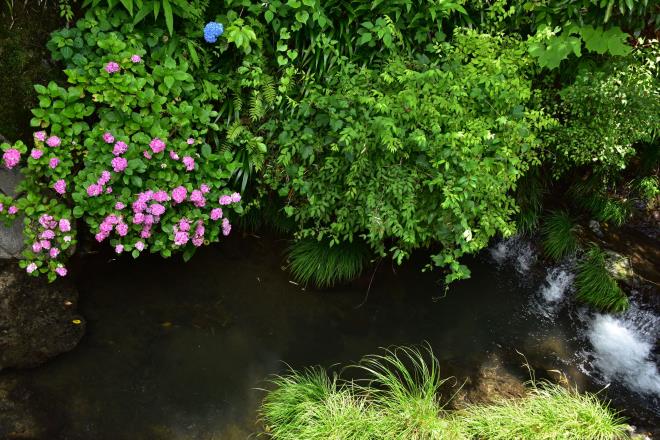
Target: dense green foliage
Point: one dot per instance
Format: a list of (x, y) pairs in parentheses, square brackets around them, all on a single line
[(595, 285), (399, 399), (426, 156), (402, 124)]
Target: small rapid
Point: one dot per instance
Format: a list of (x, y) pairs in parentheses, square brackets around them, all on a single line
[(623, 349)]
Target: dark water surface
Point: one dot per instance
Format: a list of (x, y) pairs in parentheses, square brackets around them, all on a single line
[(178, 351)]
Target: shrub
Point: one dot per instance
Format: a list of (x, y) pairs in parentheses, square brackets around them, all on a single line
[(595, 286), (605, 112), (559, 237), (413, 155), (124, 148), (324, 264)]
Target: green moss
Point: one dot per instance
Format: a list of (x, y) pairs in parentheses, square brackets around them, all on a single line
[(24, 61)]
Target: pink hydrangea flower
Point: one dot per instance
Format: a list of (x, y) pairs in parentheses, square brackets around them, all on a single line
[(139, 205), (54, 252), (112, 219), (148, 219), (157, 209), (119, 164), (205, 188), (48, 234), (138, 218), (61, 271), (94, 190), (181, 238), (136, 58), (11, 157), (139, 245), (184, 225), (31, 268), (2, 207), (189, 162), (53, 162), (36, 247), (119, 206), (161, 196), (225, 200), (40, 136), (65, 225), (197, 197), (173, 155), (190, 141), (157, 145), (53, 141), (216, 214), (101, 236), (179, 194), (45, 219), (119, 248), (197, 241), (235, 197), (105, 227), (112, 67), (119, 148), (60, 186), (226, 227), (145, 232), (36, 153), (108, 138), (105, 177), (122, 229), (108, 190), (146, 154), (45, 244), (12, 210)]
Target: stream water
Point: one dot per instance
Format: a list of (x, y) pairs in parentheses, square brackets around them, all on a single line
[(179, 351)]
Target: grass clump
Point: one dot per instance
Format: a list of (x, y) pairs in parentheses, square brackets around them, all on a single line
[(400, 400), (319, 263), (595, 285), (550, 411), (559, 237)]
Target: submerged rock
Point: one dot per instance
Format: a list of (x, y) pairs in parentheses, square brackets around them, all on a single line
[(21, 416), (38, 320), (620, 267), (492, 383)]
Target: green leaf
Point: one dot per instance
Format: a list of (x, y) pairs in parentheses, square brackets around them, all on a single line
[(169, 81), (169, 18), (365, 38), (269, 16), (302, 16)]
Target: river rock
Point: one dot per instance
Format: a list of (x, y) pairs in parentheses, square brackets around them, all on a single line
[(492, 383), (38, 320), (11, 238), (20, 416), (620, 267)]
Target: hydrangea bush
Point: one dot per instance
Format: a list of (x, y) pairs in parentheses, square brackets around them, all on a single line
[(123, 148)]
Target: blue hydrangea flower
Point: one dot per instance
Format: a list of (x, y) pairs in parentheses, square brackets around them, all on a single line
[(212, 31)]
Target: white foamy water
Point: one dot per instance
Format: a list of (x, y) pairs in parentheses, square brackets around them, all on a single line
[(558, 282), (516, 251), (623, 349)]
